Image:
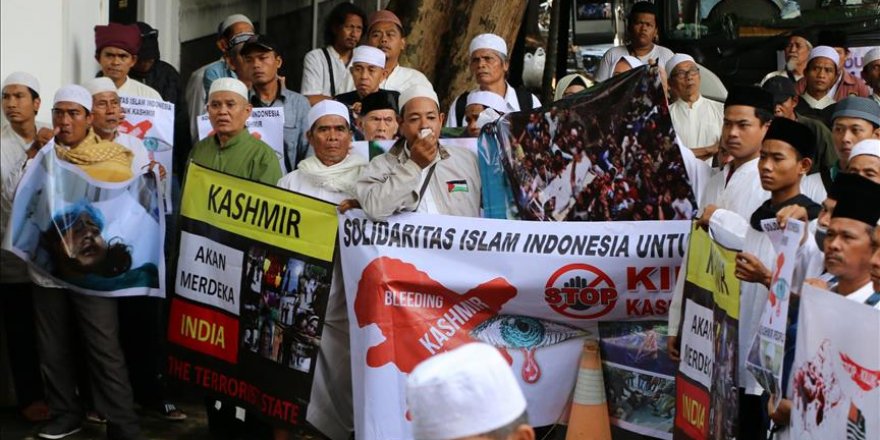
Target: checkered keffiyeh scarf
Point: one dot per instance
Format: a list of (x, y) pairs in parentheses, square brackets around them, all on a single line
[(102, 159)]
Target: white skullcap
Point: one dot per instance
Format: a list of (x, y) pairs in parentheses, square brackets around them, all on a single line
[(370, 55), (22, 79), (232, 19), (487, 99), (328, 107), (76, 94), (866, 147), (418, 91), (100, 85), (825, 51), (467, 391), (488, 41), (229, 85), (871, 56), (676, 60), (632, 61)]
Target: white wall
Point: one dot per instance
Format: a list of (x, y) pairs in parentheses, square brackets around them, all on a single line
[(53, 40), (164, 15)]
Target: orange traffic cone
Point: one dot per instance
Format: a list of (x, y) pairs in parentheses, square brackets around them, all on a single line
[(589, 410)]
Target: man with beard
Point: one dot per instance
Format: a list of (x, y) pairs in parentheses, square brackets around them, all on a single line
[(106, 117), (697, 120), (796, 52), (489, 66), (325, 70), (641, 37)]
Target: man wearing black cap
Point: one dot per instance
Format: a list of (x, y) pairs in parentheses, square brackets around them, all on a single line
[(379, 116), (849, 242), (729, 200), (785, 98), (262, 59), (641, 36)]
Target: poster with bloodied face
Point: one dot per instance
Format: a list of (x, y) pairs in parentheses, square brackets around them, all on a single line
[(834, 384), (419, 285)]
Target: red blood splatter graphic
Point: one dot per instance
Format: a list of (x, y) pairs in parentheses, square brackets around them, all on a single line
[(531, 371), (866, 379), (418, 316), (138, 130)]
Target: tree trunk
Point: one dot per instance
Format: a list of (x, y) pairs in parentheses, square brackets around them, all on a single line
[(441, 30), (552, 52)]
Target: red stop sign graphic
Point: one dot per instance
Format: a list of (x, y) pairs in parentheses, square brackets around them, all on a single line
[(580, 291)]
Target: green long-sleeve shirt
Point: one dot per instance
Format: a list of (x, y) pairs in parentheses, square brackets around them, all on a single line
[(244, 156)]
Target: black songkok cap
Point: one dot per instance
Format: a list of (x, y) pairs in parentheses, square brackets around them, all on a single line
[(380, 100), (793, 133), (149, 42), (643, 7), (857, 198), (751, 96)]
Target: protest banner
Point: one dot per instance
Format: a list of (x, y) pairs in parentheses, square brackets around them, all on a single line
[(265, 124), (152, 121), (835, 379), (93, 237), (705, 384), (608, 153), (639, 376), (767, 350), (253, 279), (418, 285)]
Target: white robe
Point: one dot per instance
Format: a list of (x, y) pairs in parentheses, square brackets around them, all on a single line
[(698, 125)]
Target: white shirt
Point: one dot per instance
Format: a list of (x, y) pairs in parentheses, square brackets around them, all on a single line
[(606, 65), (330, 403), (402, 78), (136, 88), (698, 125), (13, 154), (316, 74), (427, 205), (683, 209), (812, 187), (509, 98), (863, 294), (818, 104)]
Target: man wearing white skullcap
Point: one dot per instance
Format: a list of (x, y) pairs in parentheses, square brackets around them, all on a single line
[(819, 78), (106, 117), (230, 148), (20, 139), (331, 175), (467, 393), (871, 72), (367, 72), (418, 173), (625, 64), (865, 159), (489, 67), (697, 120), (477, 103), (57, 308)]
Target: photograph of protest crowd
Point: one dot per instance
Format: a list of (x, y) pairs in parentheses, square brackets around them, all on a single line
[(586, 162), (283, 300)]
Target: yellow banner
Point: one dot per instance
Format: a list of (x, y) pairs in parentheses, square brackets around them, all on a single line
[(712, 267), (267, 214)]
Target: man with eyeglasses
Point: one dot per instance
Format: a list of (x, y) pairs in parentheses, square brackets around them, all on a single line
[(379, 116), (697, 120), (231, 148)]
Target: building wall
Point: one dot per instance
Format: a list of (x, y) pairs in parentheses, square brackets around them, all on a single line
[(52, 39)]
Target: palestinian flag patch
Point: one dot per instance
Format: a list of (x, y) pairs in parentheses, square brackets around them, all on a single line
[(456, 186)]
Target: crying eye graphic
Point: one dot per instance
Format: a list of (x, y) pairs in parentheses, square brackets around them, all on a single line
[(514, 331)]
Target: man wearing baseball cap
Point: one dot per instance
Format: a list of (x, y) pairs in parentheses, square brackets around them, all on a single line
[(385, 31), (468, 392), (489, 66), (418, 173), (262, 60), (871, 72), (231, 148), (697, 120), (117, 47)]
